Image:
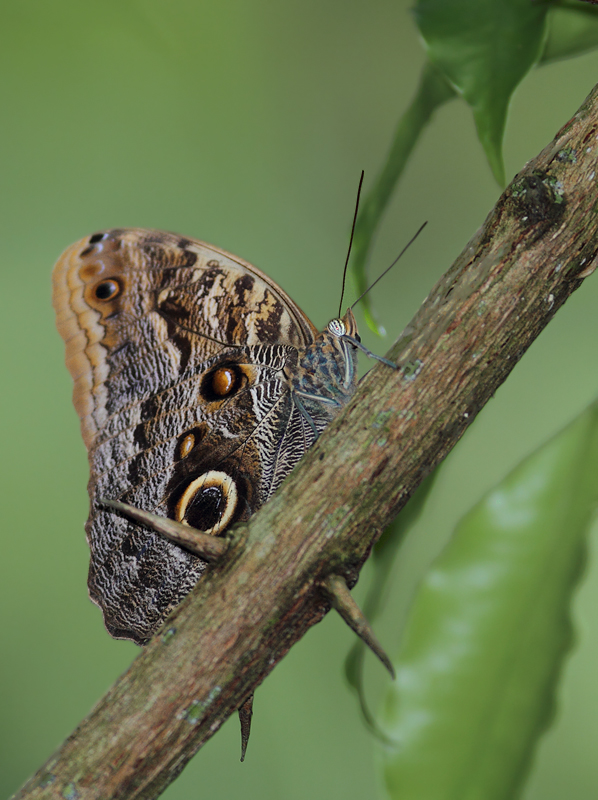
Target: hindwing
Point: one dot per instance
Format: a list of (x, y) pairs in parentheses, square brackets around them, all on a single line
[(196, 380), (148, 319)]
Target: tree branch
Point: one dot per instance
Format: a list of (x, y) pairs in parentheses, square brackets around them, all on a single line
[(532, 252)]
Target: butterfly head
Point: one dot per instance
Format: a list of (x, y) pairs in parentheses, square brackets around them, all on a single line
[(344, 327), (345, 331)]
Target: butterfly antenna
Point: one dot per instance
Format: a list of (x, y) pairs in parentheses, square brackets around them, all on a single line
[(371, 286), (340, 305)]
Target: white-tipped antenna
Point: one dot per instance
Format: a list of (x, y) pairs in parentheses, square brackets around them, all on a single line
[(340, 305), (371, 286)]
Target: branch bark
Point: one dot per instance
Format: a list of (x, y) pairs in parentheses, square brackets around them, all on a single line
[(534, 249)]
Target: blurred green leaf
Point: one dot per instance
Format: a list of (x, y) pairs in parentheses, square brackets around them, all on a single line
[(484, 48), (383, 559), (572, 30), (490, 625), (432, 92)]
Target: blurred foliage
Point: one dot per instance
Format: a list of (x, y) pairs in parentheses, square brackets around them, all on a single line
[(484, 48), (480, 50), (572, 30), (433, 91), (246, 124), (484, 644), (383, 554)]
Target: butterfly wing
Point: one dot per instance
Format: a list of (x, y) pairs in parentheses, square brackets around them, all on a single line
[(176, 350)]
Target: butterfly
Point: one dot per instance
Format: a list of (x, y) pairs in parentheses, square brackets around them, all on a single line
[(199, 385)]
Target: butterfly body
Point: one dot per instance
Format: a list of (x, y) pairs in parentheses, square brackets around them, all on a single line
[(199, 385)]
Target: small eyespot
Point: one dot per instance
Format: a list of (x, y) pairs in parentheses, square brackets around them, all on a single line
[(222, 382), (208, 503), (187, 445), (107, 290), (97, 237), (189, 440)]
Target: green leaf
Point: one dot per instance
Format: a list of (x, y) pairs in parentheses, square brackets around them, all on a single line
[(486, 638), (572, 29), (383, 559), (484, 48), (432, 92)]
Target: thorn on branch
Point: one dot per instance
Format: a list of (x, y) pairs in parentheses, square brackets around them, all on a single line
[(342, 600), (245, 714), (209, 548)]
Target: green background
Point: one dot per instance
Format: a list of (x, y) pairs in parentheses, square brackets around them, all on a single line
[(246, 123)]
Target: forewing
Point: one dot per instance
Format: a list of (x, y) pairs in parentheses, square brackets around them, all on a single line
[(145, 316)]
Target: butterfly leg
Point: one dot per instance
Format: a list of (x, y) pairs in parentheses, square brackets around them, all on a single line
[(305, 413), (327, 401), (245, 714), (356, 343), (342, 600), (208, 548)]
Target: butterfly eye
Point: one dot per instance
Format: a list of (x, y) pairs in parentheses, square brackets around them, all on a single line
[(208, 503), (222, 382), (337, 327), (107, 290)]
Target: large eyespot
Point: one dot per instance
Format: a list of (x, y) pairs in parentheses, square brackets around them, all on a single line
[(208, 503), (107, 290), (222, 382)]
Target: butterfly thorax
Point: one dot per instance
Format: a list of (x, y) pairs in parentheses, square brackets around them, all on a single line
[(326, 374)]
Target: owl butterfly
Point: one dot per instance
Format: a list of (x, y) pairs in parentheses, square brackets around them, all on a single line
[(199, 384)]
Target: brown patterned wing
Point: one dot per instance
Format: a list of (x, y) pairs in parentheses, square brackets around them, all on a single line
[(176, 349)]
